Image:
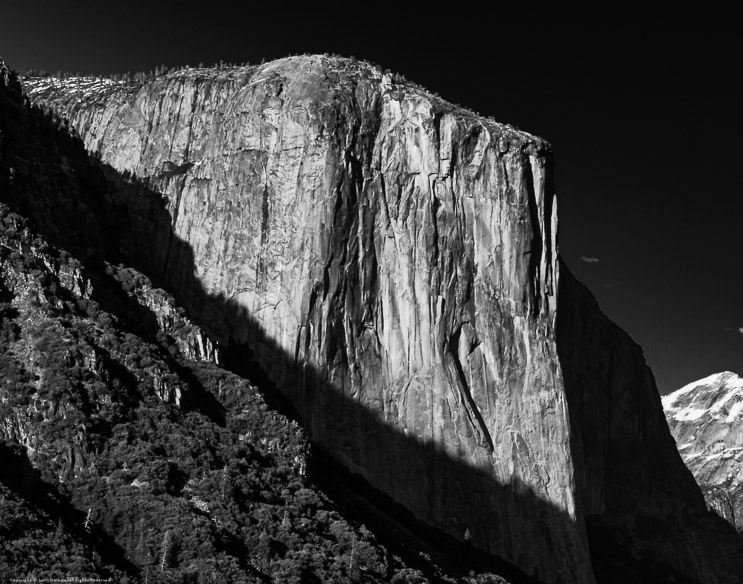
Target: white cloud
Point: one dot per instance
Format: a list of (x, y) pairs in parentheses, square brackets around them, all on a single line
[(734, 329), (589, 259)]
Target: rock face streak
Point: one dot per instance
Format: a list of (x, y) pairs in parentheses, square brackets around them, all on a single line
[(390, 261)]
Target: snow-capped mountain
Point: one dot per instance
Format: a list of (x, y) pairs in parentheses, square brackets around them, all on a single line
[(706, 419)]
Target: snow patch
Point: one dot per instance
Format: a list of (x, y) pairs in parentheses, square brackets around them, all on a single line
[(671, 398), (697, 391), (735, 412), (725, 453), (84, 85), (735, 390), (689, 414)]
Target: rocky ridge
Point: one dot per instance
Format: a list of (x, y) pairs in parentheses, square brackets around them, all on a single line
[(61, 350), (706, 419), (390, 262)]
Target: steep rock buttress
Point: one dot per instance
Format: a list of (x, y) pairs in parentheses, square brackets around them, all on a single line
[(390, 262)]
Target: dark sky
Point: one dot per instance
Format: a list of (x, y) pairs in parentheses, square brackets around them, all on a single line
[(644, 119)]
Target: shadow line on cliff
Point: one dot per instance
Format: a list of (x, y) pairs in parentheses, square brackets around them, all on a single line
[(99, 213), (170, 261), (397, 526)]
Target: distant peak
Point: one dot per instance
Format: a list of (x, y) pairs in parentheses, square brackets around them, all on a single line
[(710, 396)]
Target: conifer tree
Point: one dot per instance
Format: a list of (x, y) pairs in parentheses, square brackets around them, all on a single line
[(165, 551)]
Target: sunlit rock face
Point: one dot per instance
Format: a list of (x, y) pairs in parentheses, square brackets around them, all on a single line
[(390, 262), (706, 419)]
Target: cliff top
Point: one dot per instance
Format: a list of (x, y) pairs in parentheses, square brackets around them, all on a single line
[(316, 74)]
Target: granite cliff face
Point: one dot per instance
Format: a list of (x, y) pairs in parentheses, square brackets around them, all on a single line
[(390, 262), (126, 454), (123, 458), (706, 419), (402, 253)]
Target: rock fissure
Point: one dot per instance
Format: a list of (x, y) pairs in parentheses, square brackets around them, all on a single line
[(473, 411)]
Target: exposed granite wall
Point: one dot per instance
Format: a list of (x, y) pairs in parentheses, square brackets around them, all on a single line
[(390, 261)]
